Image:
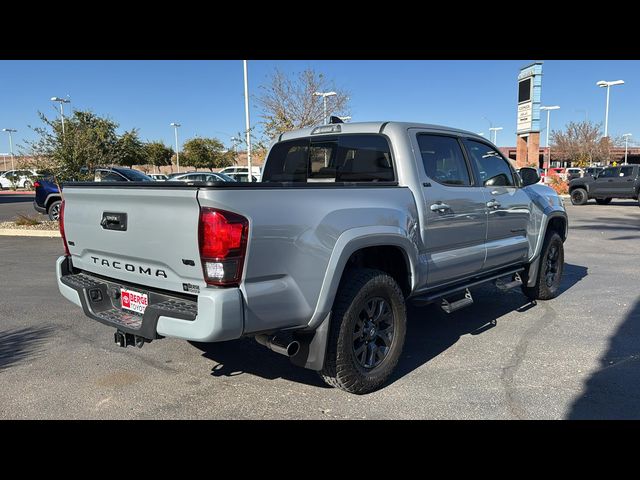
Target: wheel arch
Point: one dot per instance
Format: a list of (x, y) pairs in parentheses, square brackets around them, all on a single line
[(366, 246)]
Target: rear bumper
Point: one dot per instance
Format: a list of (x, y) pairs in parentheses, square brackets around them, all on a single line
[(214, 315), (39, 208)]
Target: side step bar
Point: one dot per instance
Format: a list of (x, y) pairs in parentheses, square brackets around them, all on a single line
[(449, 291), (505, 286), (465, 301)]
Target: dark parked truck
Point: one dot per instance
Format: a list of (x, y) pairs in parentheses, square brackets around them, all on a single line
[(610, 183), (316, 261)]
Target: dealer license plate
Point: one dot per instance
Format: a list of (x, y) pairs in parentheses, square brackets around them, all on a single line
[(134, 301)]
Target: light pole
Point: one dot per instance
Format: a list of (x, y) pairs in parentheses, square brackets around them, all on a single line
[(10, 131), (602, 84), (247, 122), (626, 143), (324, 96), (62, 101), (175, 129), (548, 109), (495, 131)]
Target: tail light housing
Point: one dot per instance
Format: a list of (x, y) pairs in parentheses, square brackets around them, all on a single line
[(61, 225), (222, 238), (36, 184)]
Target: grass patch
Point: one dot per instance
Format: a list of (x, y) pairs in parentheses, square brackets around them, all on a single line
[(24, 220)]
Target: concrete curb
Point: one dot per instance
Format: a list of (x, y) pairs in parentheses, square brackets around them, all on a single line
[(17, 232)]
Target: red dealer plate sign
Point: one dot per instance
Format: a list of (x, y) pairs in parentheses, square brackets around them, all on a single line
[(134, 301)]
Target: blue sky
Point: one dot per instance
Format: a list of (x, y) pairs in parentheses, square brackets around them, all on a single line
[(206, 97)]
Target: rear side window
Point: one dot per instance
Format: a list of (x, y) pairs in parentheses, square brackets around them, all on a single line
[(443, 160), (492, 168), (346, 158)]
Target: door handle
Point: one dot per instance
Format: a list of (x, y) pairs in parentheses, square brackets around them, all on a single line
[(493, 204), (439, 207)]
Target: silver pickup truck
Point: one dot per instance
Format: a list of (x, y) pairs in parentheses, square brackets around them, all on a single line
[(317, 260)]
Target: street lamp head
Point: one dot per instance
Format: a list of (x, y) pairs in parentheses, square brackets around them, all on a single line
[(324, 94), (55, 99), (330, 94), (627, 135), (10, 130), (553, 107), (603, 83), (173, 124), (495, 128), (61, 100)]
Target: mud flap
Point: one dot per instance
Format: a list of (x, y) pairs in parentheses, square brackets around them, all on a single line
[(313, 346)]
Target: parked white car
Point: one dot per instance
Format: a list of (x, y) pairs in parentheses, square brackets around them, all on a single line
[(160, 177), (256, 172), (17, 178)]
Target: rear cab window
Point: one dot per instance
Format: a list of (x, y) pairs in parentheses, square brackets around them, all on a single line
[(341, 158)]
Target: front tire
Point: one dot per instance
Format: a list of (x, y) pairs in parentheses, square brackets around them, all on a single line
[(579, 196), (603, 201), (367, 331), (547, 285)]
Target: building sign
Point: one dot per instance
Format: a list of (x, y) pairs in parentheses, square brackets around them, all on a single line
[(524, 117), (529, 87)]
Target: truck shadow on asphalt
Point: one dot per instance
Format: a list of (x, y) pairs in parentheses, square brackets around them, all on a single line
[(613, 392), (430, 331), (21, 343)]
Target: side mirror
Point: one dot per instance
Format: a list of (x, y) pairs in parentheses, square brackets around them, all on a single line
[(529, 176)]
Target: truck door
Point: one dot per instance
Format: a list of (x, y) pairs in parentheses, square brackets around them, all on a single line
[(508, 206), (623, 185), (604, 185), (454, 209)]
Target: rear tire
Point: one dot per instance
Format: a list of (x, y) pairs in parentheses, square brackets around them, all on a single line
[(367, 331), (547, 285), (603, 201), (27, 185), (579, 196), (54, 210)]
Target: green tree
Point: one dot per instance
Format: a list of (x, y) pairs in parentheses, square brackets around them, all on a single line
[(158, 154), (89, 141), (289, 102), (205, 153), (130, 149)]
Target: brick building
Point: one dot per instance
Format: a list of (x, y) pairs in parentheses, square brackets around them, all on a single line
[(633, 156)]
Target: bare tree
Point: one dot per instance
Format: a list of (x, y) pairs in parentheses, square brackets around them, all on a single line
[(582, 144), (288, 102)]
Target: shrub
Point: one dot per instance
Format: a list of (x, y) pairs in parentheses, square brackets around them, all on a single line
[(558, 184), (24, 220)]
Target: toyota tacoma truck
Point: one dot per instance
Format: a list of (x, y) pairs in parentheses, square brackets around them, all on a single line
[(318, 260), (610, 183)]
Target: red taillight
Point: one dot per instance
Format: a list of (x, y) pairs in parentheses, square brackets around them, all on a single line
[(36, 184), (222, 237), (61, 225)]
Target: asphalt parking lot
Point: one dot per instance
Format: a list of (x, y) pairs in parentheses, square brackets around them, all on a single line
[(12, 205), (577, 356)]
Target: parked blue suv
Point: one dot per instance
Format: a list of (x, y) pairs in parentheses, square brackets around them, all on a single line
[(48, 197)]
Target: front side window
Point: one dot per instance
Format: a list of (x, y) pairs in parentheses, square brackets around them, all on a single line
[(492, 169), (609, 173), (443, 160), (346, 158), (626, 171)]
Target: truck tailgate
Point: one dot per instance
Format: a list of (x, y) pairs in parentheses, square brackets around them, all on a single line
[(158, 248)]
